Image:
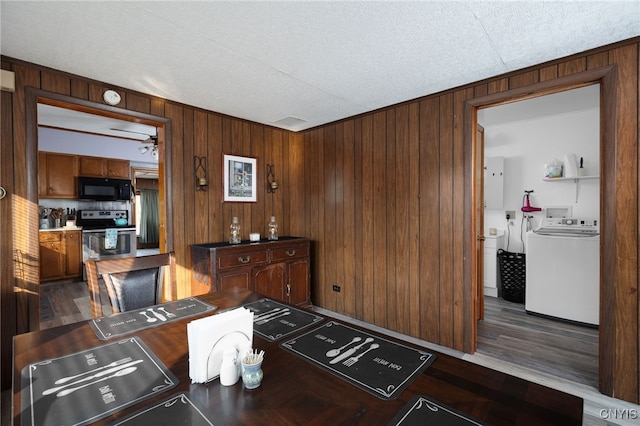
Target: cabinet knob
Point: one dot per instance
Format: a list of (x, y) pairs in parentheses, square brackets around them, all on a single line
[(291, 252), (244, 259)]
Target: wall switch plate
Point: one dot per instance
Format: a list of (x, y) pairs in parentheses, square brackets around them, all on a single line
[(336, 288)]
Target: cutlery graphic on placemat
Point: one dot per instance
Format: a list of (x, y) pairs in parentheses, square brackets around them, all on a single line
[(118, 373), (167, 313), (157, 314), (99, 375), (333, 352), (270, 318), (266, 314), (113, 364), (355, 359), (149, 319), (351, 351)]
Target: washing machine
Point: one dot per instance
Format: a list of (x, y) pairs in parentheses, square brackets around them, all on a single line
[(563, 270)]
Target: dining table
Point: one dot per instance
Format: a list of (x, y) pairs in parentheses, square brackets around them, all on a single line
[(294, 390)]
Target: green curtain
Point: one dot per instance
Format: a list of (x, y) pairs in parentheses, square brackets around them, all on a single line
[(149, 221)]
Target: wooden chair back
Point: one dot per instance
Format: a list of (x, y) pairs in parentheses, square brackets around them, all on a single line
[(131, 282)]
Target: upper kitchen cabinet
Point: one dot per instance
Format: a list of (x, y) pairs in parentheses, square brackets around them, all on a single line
[(104, 167), (57, 175)]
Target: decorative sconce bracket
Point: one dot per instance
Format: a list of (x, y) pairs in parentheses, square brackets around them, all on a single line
[(272, 185), (200, 172)]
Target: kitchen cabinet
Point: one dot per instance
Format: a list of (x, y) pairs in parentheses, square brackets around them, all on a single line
[(57, 175), (104, 167), (278, 269), (60, 254)]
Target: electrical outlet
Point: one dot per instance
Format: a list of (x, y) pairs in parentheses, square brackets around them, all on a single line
[(510, 214), (336, 288)]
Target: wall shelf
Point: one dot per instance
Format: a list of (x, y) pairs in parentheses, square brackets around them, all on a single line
[(575, 179)]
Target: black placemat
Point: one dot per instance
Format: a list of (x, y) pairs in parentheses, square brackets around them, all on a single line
[(422, 410), (101, 380), (122, 323), (176, 410), (384, 370), (274, 320)]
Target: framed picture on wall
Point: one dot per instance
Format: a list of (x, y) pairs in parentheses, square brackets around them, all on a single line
[(240, 176)]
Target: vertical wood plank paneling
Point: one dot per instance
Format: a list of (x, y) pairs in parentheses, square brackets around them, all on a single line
[(178, 204), (8, 308), (297, 181), (549, 73), (26, 234), (339, 212), (626, 286), (139, 103), (329, 234), (214, 191), (446, 220), (201, 198), (402, 228), (369, 249), (55, 82), (462, 300), (572, 66), (524, 79), (266, 201), (390, 200), (244, 134), (183, 217), (597, 60), (351, 258), (414, 288), (315, 164), (79, 88), (499, 85), (429, 222), (380, 244)]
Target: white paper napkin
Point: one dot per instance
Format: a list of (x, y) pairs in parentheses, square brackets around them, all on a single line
[(208, 337)]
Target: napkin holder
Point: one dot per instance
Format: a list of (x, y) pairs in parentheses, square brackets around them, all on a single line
[(214, 360)]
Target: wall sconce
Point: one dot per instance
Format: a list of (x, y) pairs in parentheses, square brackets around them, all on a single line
[(272, 185), (200, 172)]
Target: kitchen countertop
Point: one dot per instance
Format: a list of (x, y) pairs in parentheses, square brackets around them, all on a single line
[(63, 228)]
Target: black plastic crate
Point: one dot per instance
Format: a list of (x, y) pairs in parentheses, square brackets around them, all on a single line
[(512, 269)]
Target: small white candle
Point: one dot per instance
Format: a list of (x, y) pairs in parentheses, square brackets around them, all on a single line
[(254, 236)]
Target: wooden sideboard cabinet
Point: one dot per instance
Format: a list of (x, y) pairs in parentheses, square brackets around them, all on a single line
[(278, 269)]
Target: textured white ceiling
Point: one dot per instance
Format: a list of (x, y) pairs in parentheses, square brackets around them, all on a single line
[(297, 65)]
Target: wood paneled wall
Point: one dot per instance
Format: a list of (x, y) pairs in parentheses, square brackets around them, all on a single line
[(383, 196), (195, 216), (387, 207)]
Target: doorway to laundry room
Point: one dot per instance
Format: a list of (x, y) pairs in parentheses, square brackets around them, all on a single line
[(542, 165)]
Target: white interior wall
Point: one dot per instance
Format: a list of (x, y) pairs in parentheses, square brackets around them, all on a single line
[(527, 145), (55, 140)]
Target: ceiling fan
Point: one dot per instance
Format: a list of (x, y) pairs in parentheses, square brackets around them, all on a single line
[(151, 141)]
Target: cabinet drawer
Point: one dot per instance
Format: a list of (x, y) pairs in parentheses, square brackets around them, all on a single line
[(49, 237), (287, 253), (242, 259)]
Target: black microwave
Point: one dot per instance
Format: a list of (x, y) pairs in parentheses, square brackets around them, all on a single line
[(104, 189)]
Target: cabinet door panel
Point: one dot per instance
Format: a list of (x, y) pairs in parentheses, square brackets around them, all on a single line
[(298, 282), (237, 278), (73, 253), (51, 261), (269, 281)]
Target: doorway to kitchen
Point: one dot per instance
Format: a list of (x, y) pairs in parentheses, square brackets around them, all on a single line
[(98, 111)]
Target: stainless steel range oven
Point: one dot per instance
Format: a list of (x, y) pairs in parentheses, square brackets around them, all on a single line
[(103, 238)]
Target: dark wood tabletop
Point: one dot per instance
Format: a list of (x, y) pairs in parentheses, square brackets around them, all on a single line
[(295, 392)]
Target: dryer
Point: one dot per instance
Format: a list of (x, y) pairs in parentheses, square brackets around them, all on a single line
[(563, 270)]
